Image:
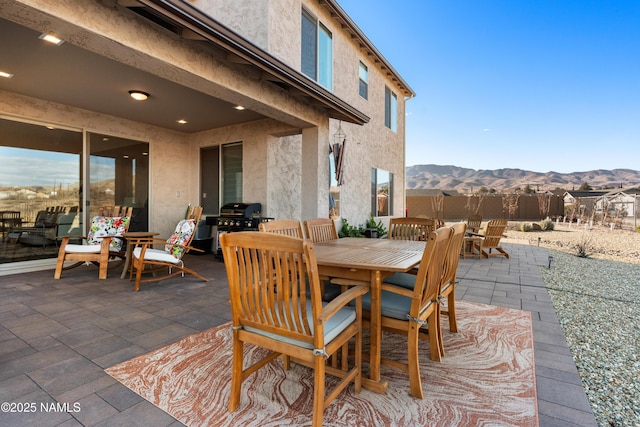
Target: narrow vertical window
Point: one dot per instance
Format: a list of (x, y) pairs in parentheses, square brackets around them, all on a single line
[(325, 57), (317, 51), (390, 109), (309, 45), (363, 77)]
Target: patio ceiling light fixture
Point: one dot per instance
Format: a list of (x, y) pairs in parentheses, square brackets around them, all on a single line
[(139, 95), (5, 74), (239, 107), (51, 39)]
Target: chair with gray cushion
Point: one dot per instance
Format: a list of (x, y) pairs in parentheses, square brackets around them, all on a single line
[(267, 275)]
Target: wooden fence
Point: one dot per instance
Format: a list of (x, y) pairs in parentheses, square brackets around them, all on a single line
[(525, 207)]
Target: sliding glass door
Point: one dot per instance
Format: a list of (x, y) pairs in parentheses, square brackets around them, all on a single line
[(42, 178)]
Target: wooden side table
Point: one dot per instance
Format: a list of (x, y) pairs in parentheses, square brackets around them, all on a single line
[(469, 243), (133, 235)]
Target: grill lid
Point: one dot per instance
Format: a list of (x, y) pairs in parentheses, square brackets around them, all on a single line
[(241, 209)]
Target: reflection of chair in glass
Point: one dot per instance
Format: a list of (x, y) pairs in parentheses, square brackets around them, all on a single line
[(170, 258), (408, 228), (9, 220), (287, 227), (41, 231), (491, 239), (102, 244), (474, 222), (411, 303), (267, 275)]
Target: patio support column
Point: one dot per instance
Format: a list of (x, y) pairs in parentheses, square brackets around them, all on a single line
[(315, 172)]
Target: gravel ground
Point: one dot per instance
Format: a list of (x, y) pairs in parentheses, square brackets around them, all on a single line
[(597, 299)]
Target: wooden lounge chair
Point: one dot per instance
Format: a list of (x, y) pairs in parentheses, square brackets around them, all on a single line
[(491, 239), (170, 258), (102, 244), (267, 273), (474, 222)]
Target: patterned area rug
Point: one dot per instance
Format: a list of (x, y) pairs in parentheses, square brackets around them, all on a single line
[(486, 378)]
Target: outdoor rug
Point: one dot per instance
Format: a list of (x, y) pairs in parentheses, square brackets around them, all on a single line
[(485, 378)]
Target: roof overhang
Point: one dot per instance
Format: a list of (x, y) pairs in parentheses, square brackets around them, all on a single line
[(192, 23)]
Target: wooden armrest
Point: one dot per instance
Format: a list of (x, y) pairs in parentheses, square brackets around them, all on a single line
[(397, 290), (342, 300)]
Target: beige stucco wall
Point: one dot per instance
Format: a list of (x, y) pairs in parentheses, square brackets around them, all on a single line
[(368, 146)]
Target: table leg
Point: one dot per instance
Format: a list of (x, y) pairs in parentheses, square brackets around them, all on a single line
[(374, 383), (127, 261)]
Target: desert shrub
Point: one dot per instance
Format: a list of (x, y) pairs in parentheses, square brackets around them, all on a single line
[(583, 246), (526, 227), (547, 225)]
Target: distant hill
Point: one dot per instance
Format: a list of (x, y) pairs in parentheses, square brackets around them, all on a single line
[(466, 180)]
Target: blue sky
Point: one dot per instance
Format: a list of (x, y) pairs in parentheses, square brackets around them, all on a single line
[(541, 85)]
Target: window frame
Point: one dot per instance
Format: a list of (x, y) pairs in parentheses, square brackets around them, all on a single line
[(363, 80), (316, 50), (390, 109)]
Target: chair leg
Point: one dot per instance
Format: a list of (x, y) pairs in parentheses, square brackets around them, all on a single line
[(434, 341), (415, 382), (318, 391), (236, 374), (451, 311)]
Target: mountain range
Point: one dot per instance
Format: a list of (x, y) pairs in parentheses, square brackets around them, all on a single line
[(464, 180)]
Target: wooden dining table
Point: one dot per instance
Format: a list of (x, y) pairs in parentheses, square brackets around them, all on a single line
[(369, 260)]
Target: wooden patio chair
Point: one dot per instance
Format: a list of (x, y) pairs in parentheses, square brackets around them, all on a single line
[(491, 239), (320, 230), (102, 244), (448, 284), (147, 259), (267, 273), (287, 227), (411, 228), (409, 306), (474, 222)]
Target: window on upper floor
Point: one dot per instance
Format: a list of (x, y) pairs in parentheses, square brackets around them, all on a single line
[(363, 76), (317, 50), (390, 109)]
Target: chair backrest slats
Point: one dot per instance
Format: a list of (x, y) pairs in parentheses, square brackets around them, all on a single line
[(431, 270), (267, 275), (474, 222), (453, 252), (287, 227), (320, 230), (494, 232), (408, 228)]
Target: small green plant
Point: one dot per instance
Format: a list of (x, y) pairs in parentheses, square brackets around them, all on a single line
[(526, 227), (371, 223), (349, 230), (583, 246)]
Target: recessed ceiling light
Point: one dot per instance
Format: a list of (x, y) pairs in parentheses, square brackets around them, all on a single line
[(145, 153), (139, 95), (182, 121), (5, 74), (239, 107), (50, 127), (51, 39)]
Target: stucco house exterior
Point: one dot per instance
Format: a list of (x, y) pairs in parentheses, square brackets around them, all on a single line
[(244, 100)]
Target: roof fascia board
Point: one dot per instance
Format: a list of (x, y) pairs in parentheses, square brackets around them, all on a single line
[(338, 12)]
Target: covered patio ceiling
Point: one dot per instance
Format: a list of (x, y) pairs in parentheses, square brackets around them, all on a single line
[(71, 75)]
